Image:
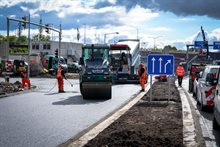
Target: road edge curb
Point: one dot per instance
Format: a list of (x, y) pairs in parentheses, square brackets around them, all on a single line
[(189, 132)]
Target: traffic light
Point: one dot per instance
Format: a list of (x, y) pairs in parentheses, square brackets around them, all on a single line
[(56, 53), (24, 24), (47, 29)]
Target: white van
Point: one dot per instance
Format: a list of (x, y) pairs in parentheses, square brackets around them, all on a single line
[(216, 109), (206, 87)]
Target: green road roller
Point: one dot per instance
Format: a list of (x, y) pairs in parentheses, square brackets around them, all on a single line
[(95, 76)]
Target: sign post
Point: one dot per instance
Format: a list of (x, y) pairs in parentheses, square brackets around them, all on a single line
[(159, 64)]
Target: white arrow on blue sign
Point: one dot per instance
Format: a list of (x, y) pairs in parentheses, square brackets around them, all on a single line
[(216, 45), (200, 44), (159, 64)]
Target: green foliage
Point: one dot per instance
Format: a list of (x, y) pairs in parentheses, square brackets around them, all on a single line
[(41, 38), (22, 39), (2, 38), (18, 50), (171, 48)]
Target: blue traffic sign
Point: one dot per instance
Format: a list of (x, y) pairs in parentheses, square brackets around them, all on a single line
[(216, 45), (159, 64), (200, 44)]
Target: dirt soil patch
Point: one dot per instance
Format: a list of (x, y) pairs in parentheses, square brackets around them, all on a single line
[(6, 88), (148, 124)]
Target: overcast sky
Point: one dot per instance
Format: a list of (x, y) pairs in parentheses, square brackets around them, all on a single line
[(177, 22)]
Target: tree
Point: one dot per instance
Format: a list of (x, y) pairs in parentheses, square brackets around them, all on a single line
[(22, 39), (2, 38), (12, 38), (41, 38)]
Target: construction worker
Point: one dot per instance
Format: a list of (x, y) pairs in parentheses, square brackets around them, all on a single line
[(60, 75), (142, 75), (24, 79), (180, 72), (193, 72)]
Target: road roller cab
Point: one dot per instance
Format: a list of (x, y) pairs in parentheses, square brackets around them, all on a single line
[(95, 77)]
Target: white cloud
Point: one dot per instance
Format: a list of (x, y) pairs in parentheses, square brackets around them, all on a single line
[(136, 16), (24, 8), (186, 19), (9, 3), (112, 1), (160, 29), (12, 16)]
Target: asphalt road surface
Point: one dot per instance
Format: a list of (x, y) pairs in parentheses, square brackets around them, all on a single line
[(211, 137), (46, 118)]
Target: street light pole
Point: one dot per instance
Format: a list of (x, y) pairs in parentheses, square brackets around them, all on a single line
[(109, 34), (156, 37)]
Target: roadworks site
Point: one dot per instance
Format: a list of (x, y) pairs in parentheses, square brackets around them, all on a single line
[(158, 121), (154, 122)]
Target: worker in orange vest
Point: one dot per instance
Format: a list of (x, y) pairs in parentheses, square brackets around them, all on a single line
[(142, 75), (24, 79), (180, 72), (60, 75)]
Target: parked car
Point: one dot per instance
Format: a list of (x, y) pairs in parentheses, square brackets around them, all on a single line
[(205, 91), (162, 78), (74, 67), (199, 71), (216, 108), (13, 67), (199, 67)]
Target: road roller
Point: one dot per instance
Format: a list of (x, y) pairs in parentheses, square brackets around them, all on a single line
[(95, 77)]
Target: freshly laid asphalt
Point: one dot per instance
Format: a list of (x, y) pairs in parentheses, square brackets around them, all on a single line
[(46, 118)]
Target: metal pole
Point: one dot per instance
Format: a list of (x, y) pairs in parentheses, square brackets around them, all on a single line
[(151, 83), (187, 57), (104, 38), (154, 44), (8, 24), (29, 45), (85, 34), (59, 43), (169, 88)]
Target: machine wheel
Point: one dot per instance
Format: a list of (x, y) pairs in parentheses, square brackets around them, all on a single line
[(190, 87), (197, 98), (202, 107), (215, 124), (80, 87)]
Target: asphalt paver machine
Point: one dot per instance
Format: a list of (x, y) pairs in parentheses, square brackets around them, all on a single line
[(121, 65)]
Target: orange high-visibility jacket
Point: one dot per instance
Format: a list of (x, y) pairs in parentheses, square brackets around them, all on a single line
[(180, 71), (59, 75), (143, 76)]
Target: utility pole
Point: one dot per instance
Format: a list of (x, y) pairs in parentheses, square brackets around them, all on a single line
[(59, 43), (84, 33), (19, 29), (40, 29), (155, 41), (8, 24), (29, 44)]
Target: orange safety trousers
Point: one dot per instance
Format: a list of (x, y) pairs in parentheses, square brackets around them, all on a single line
[(142, 81), (24, 81), (142, 78), (60, 83)]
